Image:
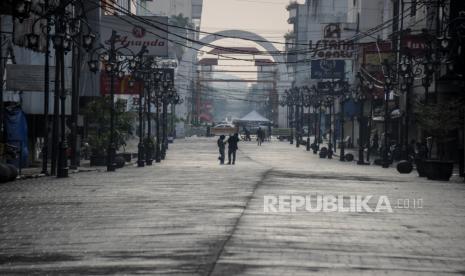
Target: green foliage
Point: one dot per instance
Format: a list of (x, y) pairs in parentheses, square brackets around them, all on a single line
[(183, 22), (292, 5), (289, 35), (180, 20), (440, 119), (97, 113)]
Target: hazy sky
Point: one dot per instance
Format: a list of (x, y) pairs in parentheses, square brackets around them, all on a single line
[(264, 17)]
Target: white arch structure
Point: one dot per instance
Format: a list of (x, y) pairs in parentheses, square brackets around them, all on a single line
[(283, 81)]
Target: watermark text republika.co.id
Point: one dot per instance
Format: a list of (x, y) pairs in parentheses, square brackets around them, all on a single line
[(313, 203)]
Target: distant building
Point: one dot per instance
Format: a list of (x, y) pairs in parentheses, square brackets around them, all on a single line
[(186, 14)]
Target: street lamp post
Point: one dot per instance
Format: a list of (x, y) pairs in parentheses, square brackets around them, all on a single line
[(46, 95), (329, 103), (140, 145), (361, 141), (343, 100), (317, 117), (111, 152), (320, 117), (388, 84), (406, 68), (114, 67), (306, 97), (67, 34), (152, 79), (137, 76), (296, 99), (167, 92), (158, 94), (360, 96), (62, 43)]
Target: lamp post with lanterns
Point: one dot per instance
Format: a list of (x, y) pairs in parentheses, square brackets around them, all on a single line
[(142, 72), (176, 100), (287, 100), (360, 96), (388, 86), (67, 33), (115, 66), (164, 90), (344, 96)]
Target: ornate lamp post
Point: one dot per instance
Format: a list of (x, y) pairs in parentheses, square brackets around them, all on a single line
[(159, 88), (176, 100), (317, 105), (344, 96), (144, 71), (296, 103), (67, 31), (287, 101), (360, 96), (388, 86), (328, 102), (407, 78), (115, 66), (162, 96), (306, 98)]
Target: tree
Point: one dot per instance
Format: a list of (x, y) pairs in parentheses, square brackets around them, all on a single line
[(97, 113), (183, 23), (439, 120)]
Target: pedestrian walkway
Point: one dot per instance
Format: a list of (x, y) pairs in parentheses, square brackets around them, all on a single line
[(191, 216)]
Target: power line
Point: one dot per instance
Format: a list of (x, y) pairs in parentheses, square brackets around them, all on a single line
[(255, 40)]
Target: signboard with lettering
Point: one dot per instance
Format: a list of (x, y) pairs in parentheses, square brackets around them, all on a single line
[(416, 44), (120, 85), (134, 33), (328, 69), (332, 46)]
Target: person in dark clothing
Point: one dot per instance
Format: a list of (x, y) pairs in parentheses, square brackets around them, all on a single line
[(232, 148), (260, 136), (221, 146), (247, 134), (375, 146)]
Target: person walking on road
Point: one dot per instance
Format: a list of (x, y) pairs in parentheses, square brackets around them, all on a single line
[(221, 146), (232, 148)]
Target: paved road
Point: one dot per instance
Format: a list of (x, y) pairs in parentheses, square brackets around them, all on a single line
[(190, 216)]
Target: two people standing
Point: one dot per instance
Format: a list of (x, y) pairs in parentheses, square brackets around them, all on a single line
[(232, 148)]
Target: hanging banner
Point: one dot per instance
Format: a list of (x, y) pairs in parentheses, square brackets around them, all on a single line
[(150, 31)]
